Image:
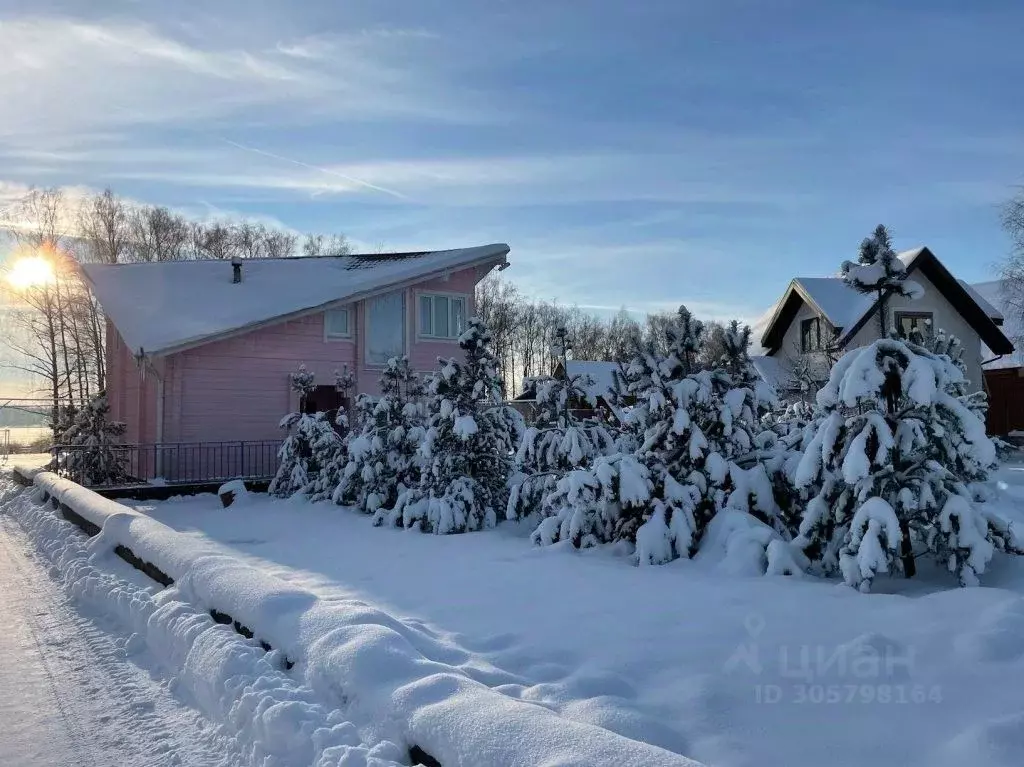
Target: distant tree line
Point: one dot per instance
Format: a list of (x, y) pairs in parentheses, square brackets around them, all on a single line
[(56, 328), (524, 333)]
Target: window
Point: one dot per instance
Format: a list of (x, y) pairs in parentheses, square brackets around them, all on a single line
[(909, 324), (385, 328), (810, 335), (442, 316), (337, 323)]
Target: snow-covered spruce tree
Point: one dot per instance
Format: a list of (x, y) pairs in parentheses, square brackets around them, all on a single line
[(331, 447), (891, 462), (691, 425), (780, 448), (382, 458), (62, 429), (556, 444), (299, 463), (625, 433), (93, 457), (944, 344), (467, 451), (878, 271), (736, 359)]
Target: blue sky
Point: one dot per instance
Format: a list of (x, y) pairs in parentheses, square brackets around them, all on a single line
[(632, 154)]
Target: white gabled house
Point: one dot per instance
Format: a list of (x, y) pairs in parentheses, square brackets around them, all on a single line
[(821, 317)]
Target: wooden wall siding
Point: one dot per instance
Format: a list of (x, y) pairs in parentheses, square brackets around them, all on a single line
[(238, 388), (132, 397), (1005, 400), (115, 386)]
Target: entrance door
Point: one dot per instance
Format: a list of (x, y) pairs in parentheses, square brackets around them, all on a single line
[(325, 399)]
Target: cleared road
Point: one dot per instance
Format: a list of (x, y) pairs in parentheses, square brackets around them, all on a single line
[(69, 693)]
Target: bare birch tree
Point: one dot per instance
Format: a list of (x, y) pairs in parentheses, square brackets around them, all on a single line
[(55, 329), (1013, 266)]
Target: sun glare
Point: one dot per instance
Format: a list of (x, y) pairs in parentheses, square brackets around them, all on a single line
[(30, 272)]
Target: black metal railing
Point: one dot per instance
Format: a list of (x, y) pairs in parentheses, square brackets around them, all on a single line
[(171, 463)]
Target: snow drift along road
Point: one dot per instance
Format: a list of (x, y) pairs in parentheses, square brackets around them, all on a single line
[(272, 719), (349, 654)]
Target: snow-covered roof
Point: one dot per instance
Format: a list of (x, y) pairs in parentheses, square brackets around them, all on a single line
[(985, 290), (601, 373), (169, 305), (758, 328), (773, 372), (847, 310), (840, 304), (996, 298)]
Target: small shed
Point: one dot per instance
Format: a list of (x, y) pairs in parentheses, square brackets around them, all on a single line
[(599, 385)]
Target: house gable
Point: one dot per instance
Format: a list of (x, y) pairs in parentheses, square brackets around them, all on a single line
[(956, 300), (850, 312), (945, 315), (798, 304)]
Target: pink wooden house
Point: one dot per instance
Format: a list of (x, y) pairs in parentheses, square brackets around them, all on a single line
[(200, 352)]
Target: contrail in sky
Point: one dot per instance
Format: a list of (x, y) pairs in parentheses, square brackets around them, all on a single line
[(328, 171)]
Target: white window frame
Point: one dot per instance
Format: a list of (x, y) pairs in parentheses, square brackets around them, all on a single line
[(367, 329), (333, 337), (420, 334), (927, 317)]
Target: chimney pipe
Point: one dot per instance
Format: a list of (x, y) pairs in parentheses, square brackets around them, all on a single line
[(236, 270)]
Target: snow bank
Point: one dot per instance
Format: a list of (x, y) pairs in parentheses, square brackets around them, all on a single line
[(276, 720), (25, 473), (738, 544), (355, 655)]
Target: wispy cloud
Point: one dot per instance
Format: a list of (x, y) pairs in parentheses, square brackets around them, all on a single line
[(60, 76)]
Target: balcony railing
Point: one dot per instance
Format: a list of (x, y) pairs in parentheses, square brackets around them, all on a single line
[(170, 463)]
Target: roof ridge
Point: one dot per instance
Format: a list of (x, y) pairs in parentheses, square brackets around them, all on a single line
[(899, 254), (382, 255)]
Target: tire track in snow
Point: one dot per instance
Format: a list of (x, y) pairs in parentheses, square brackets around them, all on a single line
[(114, 712), (20, 610)]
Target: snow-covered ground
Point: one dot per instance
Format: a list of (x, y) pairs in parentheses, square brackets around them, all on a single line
[(322, 683), (693, 656), (28, 460)]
